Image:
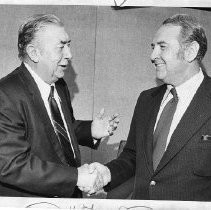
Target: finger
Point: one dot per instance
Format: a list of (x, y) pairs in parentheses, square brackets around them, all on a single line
[(91, 193), (115, 126), (98, 185), (101, 113), (98, 181), (111, 123), (116, 120), (110, 130), (112, 127), (92, 168), (114, 116), (86, 165), (111, 133)]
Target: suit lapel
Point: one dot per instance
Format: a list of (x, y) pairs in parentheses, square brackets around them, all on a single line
[(34, 94), (68, 119), (196, 115)]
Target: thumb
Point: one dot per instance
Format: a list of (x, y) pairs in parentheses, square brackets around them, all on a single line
[(101, 113), (92, 168)]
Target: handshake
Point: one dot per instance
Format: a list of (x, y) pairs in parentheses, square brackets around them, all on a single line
[(93, 177)]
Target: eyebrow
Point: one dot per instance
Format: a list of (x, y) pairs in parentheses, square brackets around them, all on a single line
[(159, 43), (65, 42), (162, 42)]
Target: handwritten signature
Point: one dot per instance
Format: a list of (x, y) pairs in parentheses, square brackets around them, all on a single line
[(51, 205), (83, 206)]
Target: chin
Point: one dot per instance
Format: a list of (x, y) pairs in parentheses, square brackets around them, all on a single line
[(160, 75), (61, 75)]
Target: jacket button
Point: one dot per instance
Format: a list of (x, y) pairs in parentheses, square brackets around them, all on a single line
[(152, 183)]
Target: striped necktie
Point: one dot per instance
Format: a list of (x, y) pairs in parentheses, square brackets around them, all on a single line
[(60, 129)]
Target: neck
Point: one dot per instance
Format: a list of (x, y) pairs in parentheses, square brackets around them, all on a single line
[(192, 69), (39, 71)]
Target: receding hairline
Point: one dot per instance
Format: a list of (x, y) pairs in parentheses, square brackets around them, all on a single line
[(31, 27)]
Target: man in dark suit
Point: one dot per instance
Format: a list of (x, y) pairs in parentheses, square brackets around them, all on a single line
[(170, 161), (39, 137)]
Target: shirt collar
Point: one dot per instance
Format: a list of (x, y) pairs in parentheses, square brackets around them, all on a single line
[(187, 88), (43, 86), (190, 86)]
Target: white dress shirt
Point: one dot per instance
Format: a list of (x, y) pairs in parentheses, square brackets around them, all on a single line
[(45, 89), (185, 93)]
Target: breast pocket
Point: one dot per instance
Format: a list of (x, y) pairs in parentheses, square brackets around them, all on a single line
[(202, 159)]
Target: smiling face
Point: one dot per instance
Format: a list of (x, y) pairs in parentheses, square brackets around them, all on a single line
[(168, 56), (54, 52)]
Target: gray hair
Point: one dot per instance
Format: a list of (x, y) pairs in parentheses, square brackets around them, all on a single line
[(28, 30), (191, 31)]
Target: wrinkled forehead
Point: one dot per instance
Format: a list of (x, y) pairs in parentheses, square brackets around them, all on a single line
[(167, 33), (52, 32)]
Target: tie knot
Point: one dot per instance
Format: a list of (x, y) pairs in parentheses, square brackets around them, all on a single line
[(51, 95), (174, 93)]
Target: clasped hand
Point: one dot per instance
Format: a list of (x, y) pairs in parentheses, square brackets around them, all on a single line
[(93, 177)]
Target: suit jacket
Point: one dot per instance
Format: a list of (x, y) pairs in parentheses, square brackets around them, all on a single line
[(184, 172), (31, 160)]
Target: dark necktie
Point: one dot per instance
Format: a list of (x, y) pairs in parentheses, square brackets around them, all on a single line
[(60, 129), (162, 129)]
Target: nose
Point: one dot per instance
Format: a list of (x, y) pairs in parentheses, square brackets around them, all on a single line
[(154, 54), (67, 53)]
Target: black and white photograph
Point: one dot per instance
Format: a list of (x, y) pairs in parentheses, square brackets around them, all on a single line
[(105, 105)]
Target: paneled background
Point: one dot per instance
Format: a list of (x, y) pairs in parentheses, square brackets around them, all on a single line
[(110, 66)]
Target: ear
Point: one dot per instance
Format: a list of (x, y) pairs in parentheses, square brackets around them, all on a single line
[(191, 51), (33, 53)]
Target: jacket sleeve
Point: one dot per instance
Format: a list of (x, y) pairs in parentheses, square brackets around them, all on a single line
[(83, 134), (20, 167), (123, 167)]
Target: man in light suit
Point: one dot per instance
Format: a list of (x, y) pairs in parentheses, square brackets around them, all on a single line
[(39, 155), (183, 170)]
